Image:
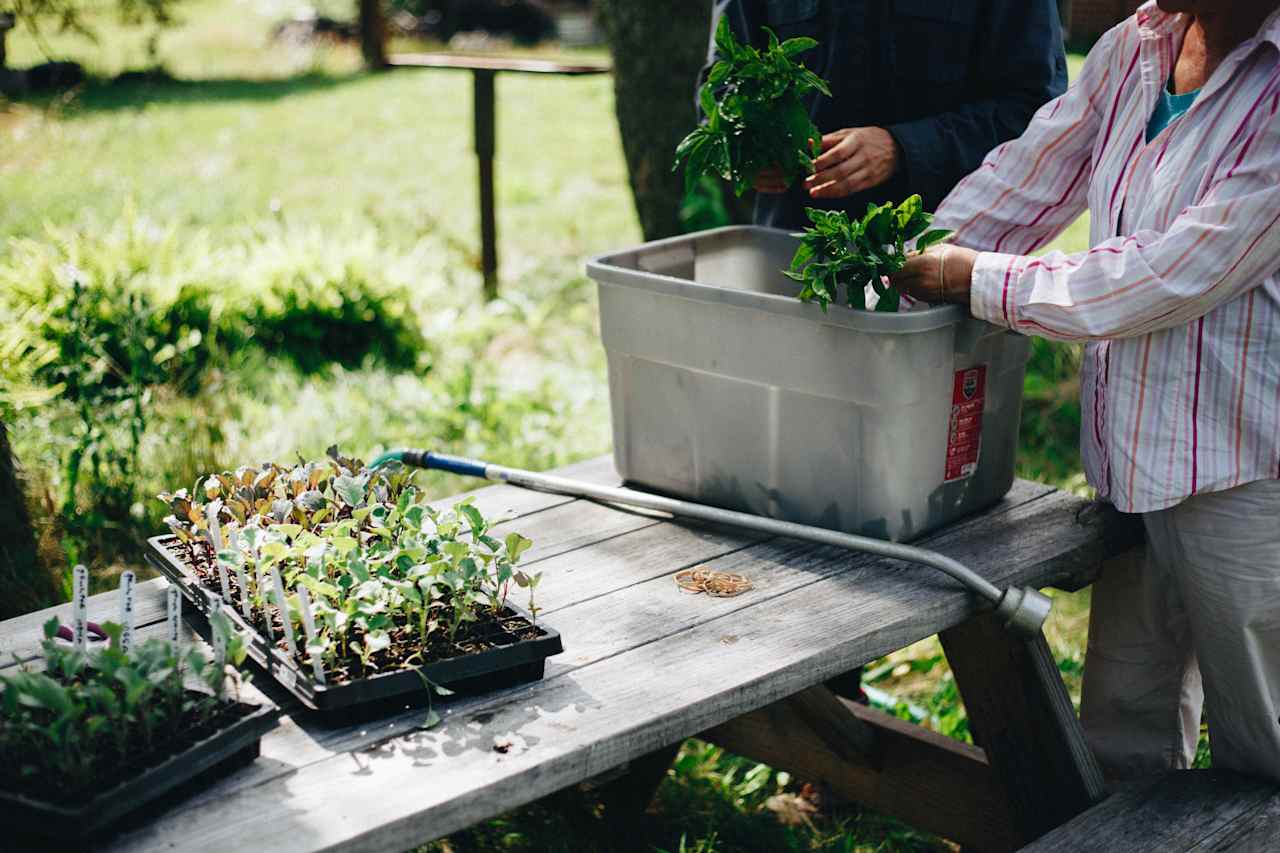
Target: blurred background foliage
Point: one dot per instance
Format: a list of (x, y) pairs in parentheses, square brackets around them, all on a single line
[(265, 249)]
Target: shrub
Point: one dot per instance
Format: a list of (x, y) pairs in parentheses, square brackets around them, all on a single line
[(105, 333)]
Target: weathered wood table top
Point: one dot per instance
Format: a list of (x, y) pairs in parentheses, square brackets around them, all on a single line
[(645, 665)]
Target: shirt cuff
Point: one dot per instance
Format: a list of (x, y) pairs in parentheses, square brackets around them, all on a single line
[(993, 287)]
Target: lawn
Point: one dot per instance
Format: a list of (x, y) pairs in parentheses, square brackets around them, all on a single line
[(265, 177)]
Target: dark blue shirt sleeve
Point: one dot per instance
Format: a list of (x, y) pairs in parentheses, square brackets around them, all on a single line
[(1022, 66)]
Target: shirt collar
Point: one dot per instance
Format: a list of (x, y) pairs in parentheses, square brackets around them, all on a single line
[(1153, 22)]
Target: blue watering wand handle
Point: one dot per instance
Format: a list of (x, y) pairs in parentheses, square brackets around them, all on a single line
[(433, 462), (1023, 609)]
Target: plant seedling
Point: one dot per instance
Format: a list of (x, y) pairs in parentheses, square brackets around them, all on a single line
[(837, 251), (72, 728), (755, 113), (360, 565)]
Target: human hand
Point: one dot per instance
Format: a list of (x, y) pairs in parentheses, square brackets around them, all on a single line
[(940, 274), (770, 180), (852, 160)]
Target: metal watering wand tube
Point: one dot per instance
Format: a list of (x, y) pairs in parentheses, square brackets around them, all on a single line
[(1023, 610)]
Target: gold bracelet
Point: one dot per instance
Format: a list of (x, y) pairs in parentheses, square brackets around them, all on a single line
[(942, 272)]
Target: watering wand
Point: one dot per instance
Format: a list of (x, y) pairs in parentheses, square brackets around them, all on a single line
[(1023, 610)]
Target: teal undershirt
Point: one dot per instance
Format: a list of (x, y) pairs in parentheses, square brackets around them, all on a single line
[(1170, 108)]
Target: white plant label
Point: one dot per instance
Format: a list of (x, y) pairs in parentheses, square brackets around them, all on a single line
[(286, 676), (219, 635), (266, 613), (126, 611), (223, 581), (246, 609), (215, 529), (215, 629), (173, 613), (284, 612), (304, 605), (80, 606)]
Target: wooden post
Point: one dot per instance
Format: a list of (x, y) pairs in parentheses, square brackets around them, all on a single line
[(373, 32), (1020, 712), (6, 24), (483, 112), (1064, 12)]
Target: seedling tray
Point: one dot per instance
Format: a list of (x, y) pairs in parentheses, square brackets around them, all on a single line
[(505, 666), (33, 822)]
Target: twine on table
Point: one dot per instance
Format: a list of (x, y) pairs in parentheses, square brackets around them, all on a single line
[(713, 583)]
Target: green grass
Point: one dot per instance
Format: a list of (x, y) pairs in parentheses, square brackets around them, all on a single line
[(268, 163)]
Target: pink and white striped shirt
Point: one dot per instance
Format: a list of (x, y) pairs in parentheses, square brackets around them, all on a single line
[(1179, 298)]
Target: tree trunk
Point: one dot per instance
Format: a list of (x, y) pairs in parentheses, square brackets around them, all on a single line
[(373, 33), (1064, 12), (6, 24), (658, 48), (25, 585)]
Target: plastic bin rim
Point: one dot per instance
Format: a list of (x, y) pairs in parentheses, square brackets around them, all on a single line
[(603, 269)]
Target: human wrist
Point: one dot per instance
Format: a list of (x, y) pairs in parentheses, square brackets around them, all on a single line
[(992, 287), (959, 263)]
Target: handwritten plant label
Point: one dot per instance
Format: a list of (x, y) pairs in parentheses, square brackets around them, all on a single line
[(126, 611), (173, 613), (246, 608), (80, 606), (216, 626), (215, 529), (284, 612), (304, 605), (266, 612)]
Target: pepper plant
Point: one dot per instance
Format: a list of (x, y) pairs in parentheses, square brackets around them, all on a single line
[(755, 113), (391, 580), (92, 714), (838, 251)]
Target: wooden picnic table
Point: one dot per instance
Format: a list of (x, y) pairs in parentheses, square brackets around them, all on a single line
[(646, 665), (483, 71)]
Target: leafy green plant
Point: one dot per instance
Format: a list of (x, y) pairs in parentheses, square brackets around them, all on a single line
[(755, 113), (837, 251), (390, 580), (92, 714)]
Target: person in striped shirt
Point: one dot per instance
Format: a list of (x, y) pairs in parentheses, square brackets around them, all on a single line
[(1171, 139)]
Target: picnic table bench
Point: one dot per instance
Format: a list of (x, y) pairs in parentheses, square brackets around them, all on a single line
[(1176, 812), (647, 665)]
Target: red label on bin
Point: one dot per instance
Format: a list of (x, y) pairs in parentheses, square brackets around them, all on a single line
[(964, 433)]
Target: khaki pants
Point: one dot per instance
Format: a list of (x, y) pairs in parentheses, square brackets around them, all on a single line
[(1196, 615)]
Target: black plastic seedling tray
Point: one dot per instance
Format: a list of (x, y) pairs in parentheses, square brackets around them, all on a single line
[(32, 823), (505, 666)]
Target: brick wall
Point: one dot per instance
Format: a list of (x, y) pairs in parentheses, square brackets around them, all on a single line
[(1093, 17)]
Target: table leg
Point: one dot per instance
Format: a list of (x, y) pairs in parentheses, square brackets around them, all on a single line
[(866, 756), (1020, 712), (483, 113), (627, 797)]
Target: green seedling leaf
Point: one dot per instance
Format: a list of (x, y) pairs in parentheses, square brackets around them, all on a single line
[(516, 546), (474, 518), (350, 489)]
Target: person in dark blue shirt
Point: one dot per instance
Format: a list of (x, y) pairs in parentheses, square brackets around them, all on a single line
[(921, 91)]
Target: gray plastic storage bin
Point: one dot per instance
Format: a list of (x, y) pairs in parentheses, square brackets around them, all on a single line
[(727, 390)]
